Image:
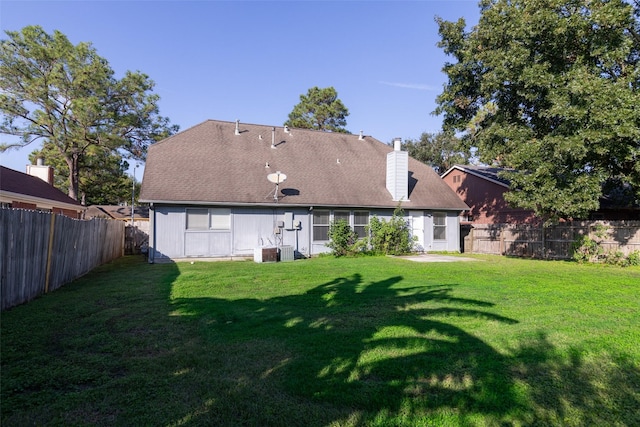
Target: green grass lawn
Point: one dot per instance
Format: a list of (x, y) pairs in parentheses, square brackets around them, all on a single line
[(372, 341)]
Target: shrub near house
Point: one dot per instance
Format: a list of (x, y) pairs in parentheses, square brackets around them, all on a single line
[(391, 237)]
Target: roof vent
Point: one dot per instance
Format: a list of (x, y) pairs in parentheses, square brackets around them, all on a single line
[(273, 137), (237, 127), (286, 129), (361, 137)]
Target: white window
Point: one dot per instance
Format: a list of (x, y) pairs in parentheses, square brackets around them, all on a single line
[(360, 223), (344, 215), (220, 219), (320, 225), (197, 219), (357, 220), (208, 219), (439, 226)]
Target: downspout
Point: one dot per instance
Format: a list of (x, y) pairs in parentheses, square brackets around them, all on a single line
[(310, 227), (152, 234)]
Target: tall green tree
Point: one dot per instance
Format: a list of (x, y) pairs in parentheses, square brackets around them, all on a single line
[(67, 96), (550, 88), (440, 150), (319, 109), (103, 178)]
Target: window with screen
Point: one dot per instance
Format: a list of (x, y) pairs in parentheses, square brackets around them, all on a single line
[(341, 215), (439, 226), (208, 219), (197, 219), (321, 225), (360, 223), (220, 219)]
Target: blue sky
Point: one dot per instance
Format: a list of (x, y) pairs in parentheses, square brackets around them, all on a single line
[(251, 60)]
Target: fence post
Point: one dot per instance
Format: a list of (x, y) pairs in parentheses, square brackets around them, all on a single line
[(49, 252)]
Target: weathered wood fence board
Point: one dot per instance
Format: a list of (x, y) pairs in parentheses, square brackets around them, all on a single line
[(40, 252), (550, 242)]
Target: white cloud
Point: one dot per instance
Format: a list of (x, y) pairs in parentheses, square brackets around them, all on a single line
[(416, 86)]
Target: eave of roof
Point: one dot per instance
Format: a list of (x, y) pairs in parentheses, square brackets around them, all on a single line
[(288, 205)]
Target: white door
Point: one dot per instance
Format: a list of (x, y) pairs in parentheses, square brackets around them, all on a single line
[(417, 229)]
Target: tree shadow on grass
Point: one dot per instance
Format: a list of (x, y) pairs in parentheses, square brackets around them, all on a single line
[(371, 349), (113, 349), (581, 389), (352, 352)]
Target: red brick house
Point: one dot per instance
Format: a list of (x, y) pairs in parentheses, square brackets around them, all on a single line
[(483, 190), (24, 191)]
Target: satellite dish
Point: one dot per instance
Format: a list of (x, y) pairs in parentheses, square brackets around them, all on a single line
[(277, 178)]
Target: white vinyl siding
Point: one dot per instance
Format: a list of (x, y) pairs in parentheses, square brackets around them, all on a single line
[(254, 227)]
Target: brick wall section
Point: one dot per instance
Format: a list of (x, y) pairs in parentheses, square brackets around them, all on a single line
[(61, 211), (22, 205), (486, 200)]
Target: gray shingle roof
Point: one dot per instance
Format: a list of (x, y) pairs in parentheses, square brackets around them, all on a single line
[(208, 163), (116, 212)]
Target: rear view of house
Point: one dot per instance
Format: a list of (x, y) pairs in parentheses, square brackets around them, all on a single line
[(224, 189)]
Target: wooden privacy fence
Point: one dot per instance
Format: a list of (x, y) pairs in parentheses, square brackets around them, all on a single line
[(40, 252), (549, 242)]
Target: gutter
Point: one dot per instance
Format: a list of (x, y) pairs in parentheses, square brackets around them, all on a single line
[(289, 205)]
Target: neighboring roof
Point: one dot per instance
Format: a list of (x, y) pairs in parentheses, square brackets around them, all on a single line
[(485, 172), (117, 212), (14, 183), (208, 163)]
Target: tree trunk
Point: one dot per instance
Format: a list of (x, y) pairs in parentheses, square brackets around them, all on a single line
[(74, 175)]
